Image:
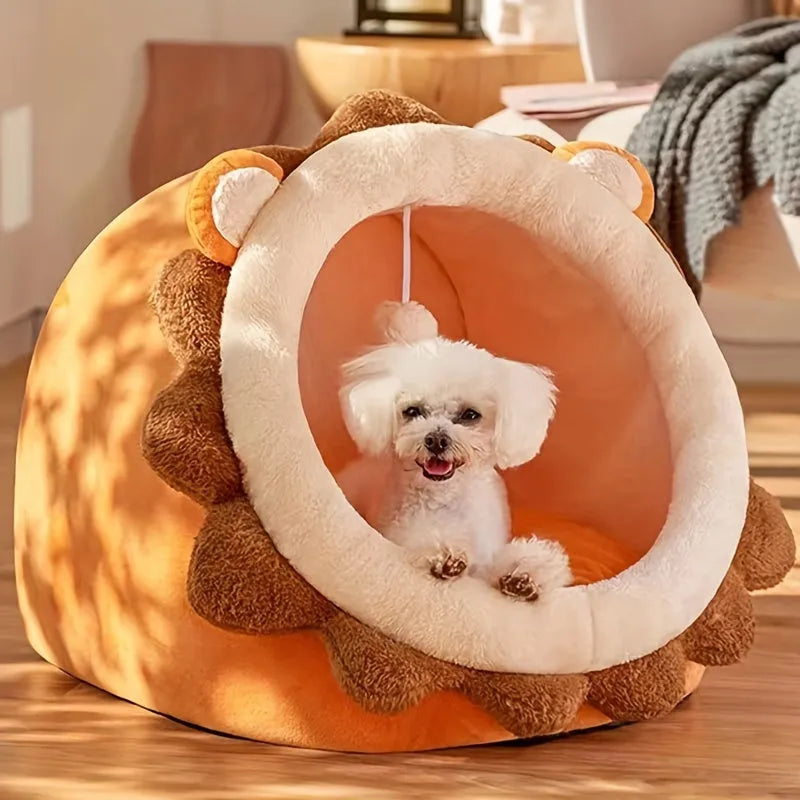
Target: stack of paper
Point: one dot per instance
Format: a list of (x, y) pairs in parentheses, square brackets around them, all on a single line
[(575, 100)]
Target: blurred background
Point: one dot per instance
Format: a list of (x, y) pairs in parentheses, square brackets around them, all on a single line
[(73, 85), (102, 101)]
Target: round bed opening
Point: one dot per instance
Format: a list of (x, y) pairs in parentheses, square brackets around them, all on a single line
[(530, 258), (602, 483)]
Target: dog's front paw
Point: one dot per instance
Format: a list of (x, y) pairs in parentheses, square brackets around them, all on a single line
[(519, 585), (526, 569), (447, 565)]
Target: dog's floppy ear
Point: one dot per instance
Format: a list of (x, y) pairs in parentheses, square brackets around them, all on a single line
[(368, 399), (526, 404)]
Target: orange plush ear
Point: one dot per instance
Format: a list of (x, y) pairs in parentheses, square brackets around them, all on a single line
[(616, 169), (225, 197)]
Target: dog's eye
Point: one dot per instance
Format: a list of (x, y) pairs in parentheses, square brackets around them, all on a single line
[(412, 412), (469, 415)]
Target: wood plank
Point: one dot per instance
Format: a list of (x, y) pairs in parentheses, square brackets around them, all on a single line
[(461, 79)]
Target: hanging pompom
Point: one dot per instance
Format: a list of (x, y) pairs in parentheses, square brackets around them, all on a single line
[(406, 322)]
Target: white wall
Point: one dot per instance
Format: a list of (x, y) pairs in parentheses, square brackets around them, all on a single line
[(19, 24), (81, 65)]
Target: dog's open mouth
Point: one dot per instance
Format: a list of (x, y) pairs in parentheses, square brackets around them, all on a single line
[(438, 469)]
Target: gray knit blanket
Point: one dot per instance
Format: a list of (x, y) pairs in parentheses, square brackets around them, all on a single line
[(725, 121)]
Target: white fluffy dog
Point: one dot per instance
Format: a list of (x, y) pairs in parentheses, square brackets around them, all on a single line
[(434, 420)]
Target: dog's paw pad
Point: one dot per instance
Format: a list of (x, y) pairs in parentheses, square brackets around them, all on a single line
[(519, 585), (447, 566)]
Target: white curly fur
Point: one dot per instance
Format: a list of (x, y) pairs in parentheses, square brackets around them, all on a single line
[(543, 559), (457, 519)]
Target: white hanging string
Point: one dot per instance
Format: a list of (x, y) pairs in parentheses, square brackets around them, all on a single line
[(406, 293)]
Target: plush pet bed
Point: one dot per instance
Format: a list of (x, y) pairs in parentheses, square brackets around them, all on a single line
[(214, 570)]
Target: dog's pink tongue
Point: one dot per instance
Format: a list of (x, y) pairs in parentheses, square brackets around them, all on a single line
[(435, 466)]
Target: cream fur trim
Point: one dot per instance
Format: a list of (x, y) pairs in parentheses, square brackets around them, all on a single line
[(574, 629), (238, 197), (614, 172)]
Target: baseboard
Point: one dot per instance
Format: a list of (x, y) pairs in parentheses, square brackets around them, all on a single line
[(18, 337)]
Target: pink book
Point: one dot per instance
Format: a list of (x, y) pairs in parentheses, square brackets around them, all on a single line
[(575, 100)]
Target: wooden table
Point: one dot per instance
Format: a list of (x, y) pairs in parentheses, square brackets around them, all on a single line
[(459, 78)]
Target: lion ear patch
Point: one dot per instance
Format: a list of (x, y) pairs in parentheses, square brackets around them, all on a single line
[(614, 168), (239, 196), (224, 199)]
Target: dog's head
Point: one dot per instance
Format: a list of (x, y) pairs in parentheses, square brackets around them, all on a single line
[(440, 406)]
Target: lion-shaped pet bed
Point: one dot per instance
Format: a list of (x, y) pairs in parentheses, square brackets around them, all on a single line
[(182, 542)]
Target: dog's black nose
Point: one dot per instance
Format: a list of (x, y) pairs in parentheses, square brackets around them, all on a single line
[(437, 442)]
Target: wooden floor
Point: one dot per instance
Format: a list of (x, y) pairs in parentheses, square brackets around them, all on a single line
[(738, 737)]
